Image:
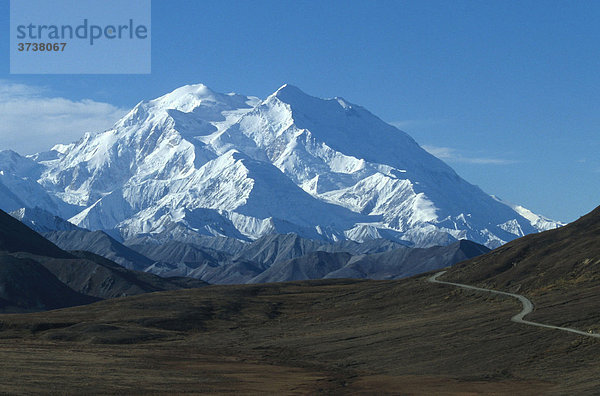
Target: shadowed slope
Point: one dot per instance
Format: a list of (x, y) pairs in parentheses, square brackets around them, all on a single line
[(36, 275), (26, 285), (17, 237), (100, 243), (563, 258)]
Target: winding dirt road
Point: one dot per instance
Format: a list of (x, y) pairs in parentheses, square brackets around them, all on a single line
[(518, 318)]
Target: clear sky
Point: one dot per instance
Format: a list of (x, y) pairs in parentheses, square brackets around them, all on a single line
[(506, 92)]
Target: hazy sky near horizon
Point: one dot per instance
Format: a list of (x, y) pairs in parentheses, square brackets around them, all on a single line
[(506, 92)]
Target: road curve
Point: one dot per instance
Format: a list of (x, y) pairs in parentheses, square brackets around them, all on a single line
[(518, 318)]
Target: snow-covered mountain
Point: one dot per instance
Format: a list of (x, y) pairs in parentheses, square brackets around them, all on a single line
[(19, 187), (199, 162)]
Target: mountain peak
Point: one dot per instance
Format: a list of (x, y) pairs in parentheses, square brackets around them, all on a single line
[(289, 92), (288, 87), (186, 98), (189, 98), (196, 89)]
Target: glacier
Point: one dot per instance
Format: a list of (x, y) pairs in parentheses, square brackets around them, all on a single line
[(198, 162)]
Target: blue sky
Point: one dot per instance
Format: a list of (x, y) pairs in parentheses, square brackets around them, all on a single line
[(505, 92)]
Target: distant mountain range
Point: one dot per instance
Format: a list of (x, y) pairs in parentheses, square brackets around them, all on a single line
[(197, 163), (273, 257), (35, 274), (393, 264)]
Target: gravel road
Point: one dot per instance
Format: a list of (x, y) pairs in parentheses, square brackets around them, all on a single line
[(518, 318)]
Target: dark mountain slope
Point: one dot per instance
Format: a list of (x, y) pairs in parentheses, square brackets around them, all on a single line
[(17, 237), (211, 243), (214, 266), (366, 247), (315, 265), (394, 264), (36, 275), (102, 244), (184, 259), (97, 276), (558, 270), (229, 272), (563, 258), (179, 252), (273, 248), (402, 263), (26, 285)]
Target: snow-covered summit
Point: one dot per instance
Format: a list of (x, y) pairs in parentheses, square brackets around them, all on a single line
[(191, 97), (199, 161)]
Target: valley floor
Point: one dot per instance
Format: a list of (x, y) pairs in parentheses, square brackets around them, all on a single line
[(397, 337)]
